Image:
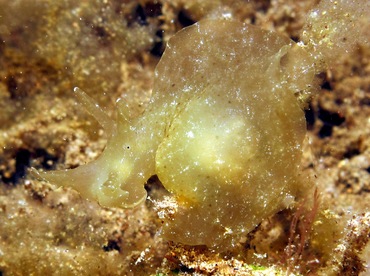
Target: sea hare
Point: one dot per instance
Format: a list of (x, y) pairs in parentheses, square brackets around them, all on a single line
[(223, 132)]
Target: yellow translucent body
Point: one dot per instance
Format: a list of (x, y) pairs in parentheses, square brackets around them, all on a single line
[(232, 151), (223, 132)]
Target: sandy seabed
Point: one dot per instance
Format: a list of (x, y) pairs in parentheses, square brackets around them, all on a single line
[(46, 50)]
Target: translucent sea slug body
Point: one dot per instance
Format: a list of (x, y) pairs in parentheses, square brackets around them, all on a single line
[(223, 132)]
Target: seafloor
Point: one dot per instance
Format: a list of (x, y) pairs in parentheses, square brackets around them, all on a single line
[(110, 49)]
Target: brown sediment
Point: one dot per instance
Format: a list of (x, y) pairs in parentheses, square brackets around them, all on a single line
[(43, 230)]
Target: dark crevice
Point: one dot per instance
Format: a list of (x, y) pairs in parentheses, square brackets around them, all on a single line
[(186, 269), (325, 131), (262, 6), (48, 161), (253, 20), (12, 86), (326, 85), (100, 32), (351, 153), (23, 159), (295, 39), (140, 16), (142, 13), (153, 183), (310, 117), (112, 245), (158, 47), (153, 9), (103, 36), (184, 19), (331, 118), (22, 162)]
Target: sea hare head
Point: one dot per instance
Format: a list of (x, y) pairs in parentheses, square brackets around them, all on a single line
[(232, 151)]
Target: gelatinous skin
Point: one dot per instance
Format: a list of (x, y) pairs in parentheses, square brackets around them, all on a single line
[(223, 132), (232, 151)]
